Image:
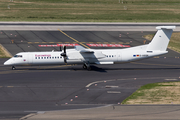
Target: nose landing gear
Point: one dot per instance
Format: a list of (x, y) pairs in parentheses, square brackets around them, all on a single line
[(13, 68)]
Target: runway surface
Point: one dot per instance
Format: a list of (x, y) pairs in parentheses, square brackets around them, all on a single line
[(32, 89)]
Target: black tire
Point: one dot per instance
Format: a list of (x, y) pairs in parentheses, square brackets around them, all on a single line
[(84, 66), (13, 68)]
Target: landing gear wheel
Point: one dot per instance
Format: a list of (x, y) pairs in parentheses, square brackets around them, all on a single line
[(84, 66), (13, 68)]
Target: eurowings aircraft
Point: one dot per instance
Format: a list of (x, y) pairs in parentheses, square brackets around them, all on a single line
[(86, 57)]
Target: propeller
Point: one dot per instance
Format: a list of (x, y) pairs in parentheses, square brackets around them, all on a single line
[(64, 55), (60, 48)]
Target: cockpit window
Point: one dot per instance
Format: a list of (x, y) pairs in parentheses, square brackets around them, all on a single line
[(18, 56)]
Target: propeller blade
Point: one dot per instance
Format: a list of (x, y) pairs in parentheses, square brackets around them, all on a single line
[(64, 49), (64, 54), (60, 48)]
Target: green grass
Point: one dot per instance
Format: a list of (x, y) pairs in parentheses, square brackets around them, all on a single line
[(2, 54), (91, 10), (140, 92), (155, 93)]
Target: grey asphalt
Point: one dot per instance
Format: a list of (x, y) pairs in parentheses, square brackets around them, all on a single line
[(114, 112), (30, 89)]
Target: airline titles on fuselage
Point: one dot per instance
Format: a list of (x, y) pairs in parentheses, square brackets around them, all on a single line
[(46, 56)]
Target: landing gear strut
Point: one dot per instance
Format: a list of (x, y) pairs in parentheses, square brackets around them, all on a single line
[(87, 66), (13, 68)]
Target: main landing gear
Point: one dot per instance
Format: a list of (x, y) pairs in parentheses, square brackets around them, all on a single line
[(13, 68), (87, 66)]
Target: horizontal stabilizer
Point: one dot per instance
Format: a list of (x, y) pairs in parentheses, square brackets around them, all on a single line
[(165, 27)]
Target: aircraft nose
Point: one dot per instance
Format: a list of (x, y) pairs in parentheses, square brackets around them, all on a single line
[(8, 62)]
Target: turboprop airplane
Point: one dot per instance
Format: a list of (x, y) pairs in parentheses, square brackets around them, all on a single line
[(86, 57)]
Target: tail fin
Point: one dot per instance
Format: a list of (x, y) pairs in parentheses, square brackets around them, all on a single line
[(161, 38)]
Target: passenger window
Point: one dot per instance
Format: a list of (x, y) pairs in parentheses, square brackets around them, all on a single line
[(44, 57), (38, 57), (58, 57), (55, 57), (35, 57), (109, 55), (41, 57), (52, 57)]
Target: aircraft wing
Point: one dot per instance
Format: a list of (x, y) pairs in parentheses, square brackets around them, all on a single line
[(88, 53), (83, 50)]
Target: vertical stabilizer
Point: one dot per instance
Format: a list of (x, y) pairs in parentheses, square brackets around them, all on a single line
[(161, 38)]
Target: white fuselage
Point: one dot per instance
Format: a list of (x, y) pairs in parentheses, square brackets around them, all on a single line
[(111, 56)]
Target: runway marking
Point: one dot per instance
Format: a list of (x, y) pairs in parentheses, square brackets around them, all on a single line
[(108, 81), (11, 71), (73, 39), (66, 44), (128, 79), (47, 67), (84, 104), (107, 45), (114, 92), (155, 64), (98, 82), (37, 68), (28, 116), (79, 42), (111, 86), (170, 79)]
